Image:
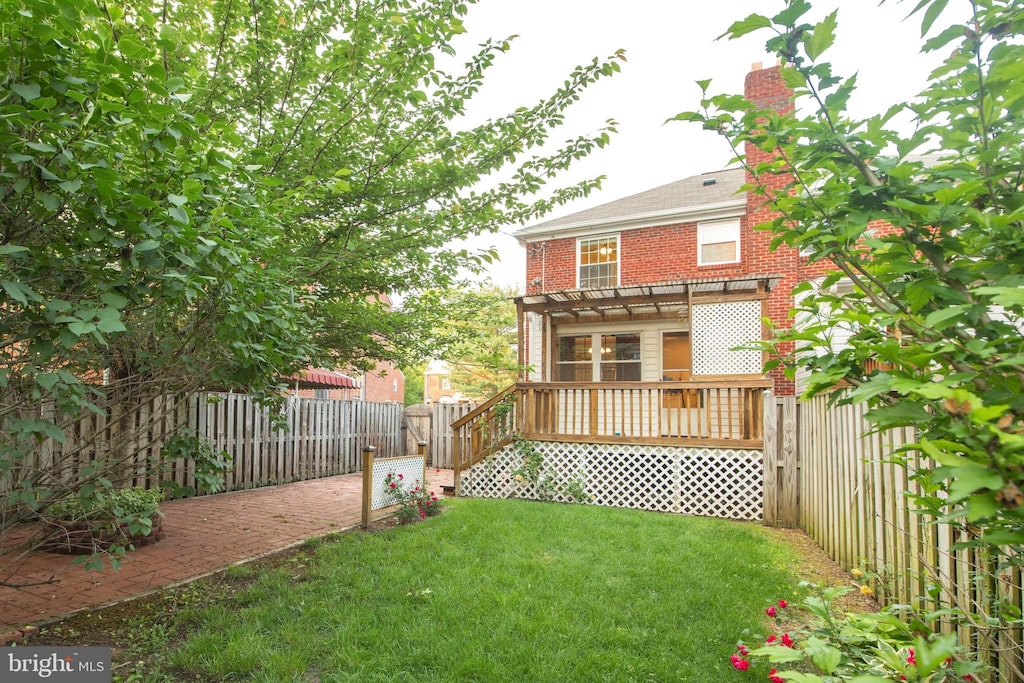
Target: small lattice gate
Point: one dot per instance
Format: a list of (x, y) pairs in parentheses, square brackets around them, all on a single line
[(712, 482)]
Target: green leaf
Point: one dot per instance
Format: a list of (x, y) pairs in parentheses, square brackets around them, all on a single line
[(113, 300), (822, 37), (179, 214), (47, 380), (131, 47), (27, 91), (971, 478), (146, 245), (109, 320), (1003, 296), (43, 147), (752, 23), (49, 201), (14, 290), (81, 328), (931, 14), (11, 249)]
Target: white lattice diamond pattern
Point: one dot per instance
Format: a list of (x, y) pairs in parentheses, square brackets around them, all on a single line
[(411, 469), (719, 328), (733, 486), (714, 482)]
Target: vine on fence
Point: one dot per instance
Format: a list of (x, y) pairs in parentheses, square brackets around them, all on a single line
[(548, 485)]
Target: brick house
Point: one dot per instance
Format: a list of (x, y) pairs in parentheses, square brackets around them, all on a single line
[(437, 384), (633, 325), (676, 273)]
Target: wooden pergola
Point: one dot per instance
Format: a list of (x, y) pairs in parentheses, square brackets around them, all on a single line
[(633, 302)]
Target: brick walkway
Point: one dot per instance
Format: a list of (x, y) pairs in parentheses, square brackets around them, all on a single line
[(201, 535)]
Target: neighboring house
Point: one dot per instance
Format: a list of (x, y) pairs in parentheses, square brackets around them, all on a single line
[(633, 324), (384, 384), (437, 384), (323, 383)]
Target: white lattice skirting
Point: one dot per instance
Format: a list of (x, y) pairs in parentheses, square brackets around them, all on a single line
[(713, 482)]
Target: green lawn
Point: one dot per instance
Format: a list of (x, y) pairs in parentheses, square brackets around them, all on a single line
[(504, 590)]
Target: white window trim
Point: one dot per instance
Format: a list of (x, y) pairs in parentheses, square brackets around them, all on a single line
[(618, 252), (702, 238), (595, 350)]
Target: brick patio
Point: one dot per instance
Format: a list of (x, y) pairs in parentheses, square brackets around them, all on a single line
[(201, 535)]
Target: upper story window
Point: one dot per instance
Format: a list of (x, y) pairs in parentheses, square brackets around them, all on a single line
[(718, 243), (446, 383), (599, 262)]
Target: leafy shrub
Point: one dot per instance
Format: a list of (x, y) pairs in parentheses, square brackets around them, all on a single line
[(413, 503), (896, 644), (120, 505)]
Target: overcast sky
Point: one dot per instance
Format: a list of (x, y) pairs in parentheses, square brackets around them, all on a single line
[(669, 45)]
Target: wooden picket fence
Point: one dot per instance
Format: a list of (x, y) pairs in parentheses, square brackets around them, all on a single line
[(323, 437), (442, 438), (320, 438), (855, 502)]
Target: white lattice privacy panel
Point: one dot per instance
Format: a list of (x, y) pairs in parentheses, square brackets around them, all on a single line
[(411, 468), (717, 328), (713, 482)]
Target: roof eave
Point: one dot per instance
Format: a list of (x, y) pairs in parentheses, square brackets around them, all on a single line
[(731, 208)]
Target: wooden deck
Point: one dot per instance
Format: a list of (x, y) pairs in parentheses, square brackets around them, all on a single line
[(694, 413)]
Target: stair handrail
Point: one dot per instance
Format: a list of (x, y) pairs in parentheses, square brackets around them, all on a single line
[(500, 423)]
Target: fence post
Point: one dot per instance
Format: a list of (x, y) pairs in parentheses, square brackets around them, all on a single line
[(367, 483), (789, 511), (771, 460)]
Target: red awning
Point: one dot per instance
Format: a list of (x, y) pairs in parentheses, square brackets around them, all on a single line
[(322, 378)]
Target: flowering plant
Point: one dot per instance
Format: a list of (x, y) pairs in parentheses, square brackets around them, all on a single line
[(859, 648), (413, 502)]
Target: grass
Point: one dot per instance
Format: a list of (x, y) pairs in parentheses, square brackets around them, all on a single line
[(500, 590)]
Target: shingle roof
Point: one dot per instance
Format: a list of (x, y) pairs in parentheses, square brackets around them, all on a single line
[(686, 193)]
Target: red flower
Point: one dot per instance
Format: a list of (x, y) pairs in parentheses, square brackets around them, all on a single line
[(910, 657), (773, 678), (739, 663), (783, 604), (786, 640), (742, 649), (392, 484), (769, 640), (770, 611)]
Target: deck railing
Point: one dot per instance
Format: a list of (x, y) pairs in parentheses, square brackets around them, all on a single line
[(726, 413)]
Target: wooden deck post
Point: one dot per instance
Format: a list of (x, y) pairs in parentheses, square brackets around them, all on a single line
[(457, 462), (367, 483)]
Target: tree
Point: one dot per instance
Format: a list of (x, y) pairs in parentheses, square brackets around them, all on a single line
[(927, 226), (414, 383), (482, 357), (211, 194)]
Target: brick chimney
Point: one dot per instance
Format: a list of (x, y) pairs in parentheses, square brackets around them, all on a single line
[(766, 90)]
